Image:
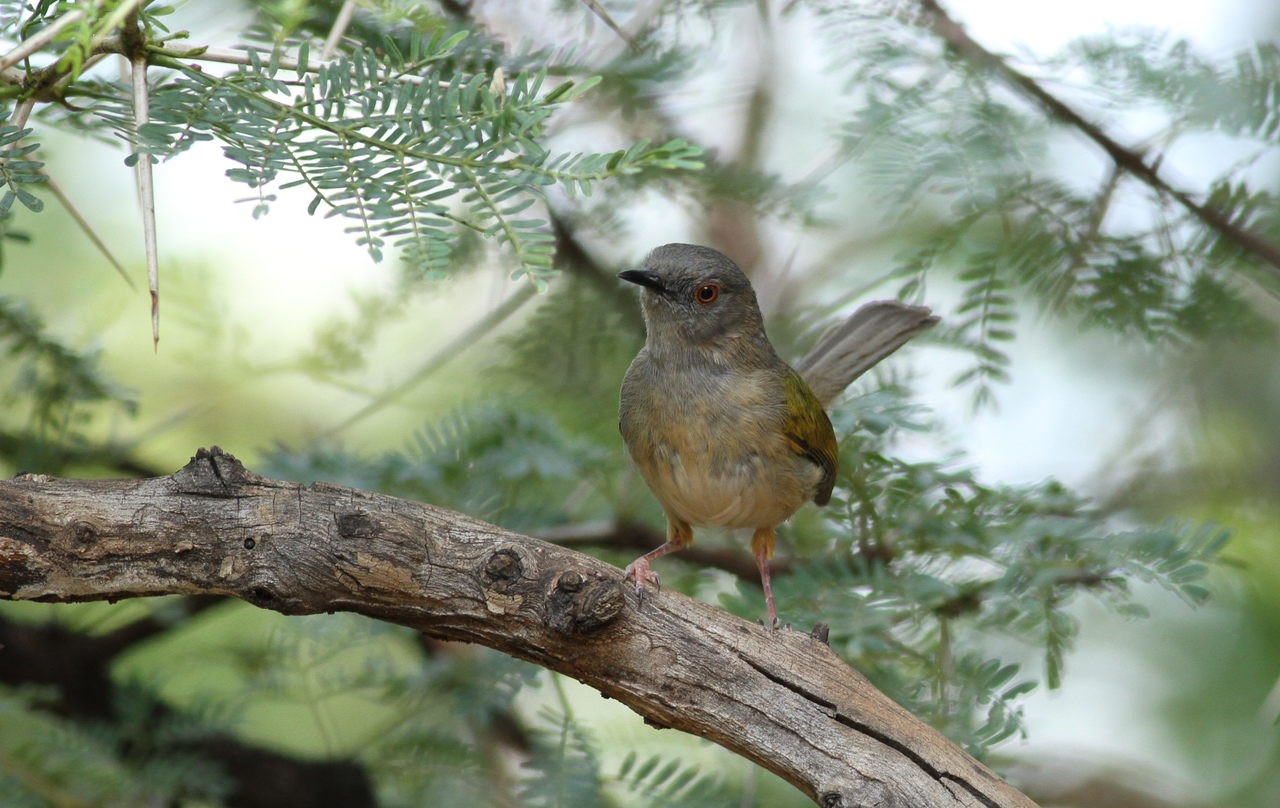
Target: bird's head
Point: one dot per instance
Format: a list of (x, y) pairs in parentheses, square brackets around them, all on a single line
[(696, 297)]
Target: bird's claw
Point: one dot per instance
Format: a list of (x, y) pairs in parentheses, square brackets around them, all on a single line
[(639, 572)]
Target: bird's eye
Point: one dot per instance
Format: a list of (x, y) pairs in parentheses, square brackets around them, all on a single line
[(707, 293)]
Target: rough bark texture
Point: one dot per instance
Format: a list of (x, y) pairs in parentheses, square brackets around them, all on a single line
[(780, 698)]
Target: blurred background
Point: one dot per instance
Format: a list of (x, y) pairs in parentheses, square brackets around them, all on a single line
[(1154, 397)]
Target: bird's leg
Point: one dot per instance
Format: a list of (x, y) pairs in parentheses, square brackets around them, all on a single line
[(762, 546), (679, 536)]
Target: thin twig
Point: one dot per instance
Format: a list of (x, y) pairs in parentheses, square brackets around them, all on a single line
[(339, 28), (1132, 162), (65, 79), (463, 341), (1060, 287), (125, 16), (600, 12), (22, 112), (43, 37), (1102, 204), (69, 206), (228, 56)]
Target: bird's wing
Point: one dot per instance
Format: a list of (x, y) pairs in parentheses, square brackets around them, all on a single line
[(809, 431)]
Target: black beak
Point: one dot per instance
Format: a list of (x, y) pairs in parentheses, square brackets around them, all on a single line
[(643, 277)]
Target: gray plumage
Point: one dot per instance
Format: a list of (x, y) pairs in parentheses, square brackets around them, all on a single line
[(723, 431), (871, 333)]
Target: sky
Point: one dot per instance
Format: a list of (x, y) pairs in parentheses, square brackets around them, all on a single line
[(1044, 27)]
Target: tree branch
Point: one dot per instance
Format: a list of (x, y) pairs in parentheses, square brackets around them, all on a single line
[(779, 698), (1131, 162)]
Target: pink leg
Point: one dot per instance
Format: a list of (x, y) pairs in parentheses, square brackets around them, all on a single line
[(762, 546), (679, 536)]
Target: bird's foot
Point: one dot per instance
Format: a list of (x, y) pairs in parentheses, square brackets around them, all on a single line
[(639, 572)]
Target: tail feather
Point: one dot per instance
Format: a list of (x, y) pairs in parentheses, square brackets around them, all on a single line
[(871, 333)]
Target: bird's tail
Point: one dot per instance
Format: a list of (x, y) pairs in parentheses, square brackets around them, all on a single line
[(871, 333)]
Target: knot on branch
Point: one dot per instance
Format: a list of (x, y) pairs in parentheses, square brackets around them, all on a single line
[(867, 792), (822, 633), (213, 472), (580, 604), (503, 575), (84, 531), (503, 569), (357, 525)]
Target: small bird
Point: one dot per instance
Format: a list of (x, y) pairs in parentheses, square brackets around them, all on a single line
[(723, 431)]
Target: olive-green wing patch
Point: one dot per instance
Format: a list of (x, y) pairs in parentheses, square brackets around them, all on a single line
[(809, 430)]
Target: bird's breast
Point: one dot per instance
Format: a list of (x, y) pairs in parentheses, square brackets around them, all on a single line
[(711, 445)]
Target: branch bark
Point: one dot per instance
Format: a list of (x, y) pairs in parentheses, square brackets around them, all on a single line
[(779, 698)]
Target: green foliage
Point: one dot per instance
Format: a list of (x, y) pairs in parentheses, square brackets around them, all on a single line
[(563, 768), (409, 140), (427, 139), (971, 161), (47, 391), (433, 723), (664, 780), (46, 760), (1237, 95), (494, 462), (16, 171), (921, 570), (580, 338)]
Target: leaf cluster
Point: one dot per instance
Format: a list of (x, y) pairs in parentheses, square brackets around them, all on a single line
[(424, 133), (928, 577), (411, 144), (49, 760), (18, 170), (47, 390), (971, 163), (496, 461)]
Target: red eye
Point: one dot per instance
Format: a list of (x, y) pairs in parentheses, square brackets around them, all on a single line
[(707, 293)]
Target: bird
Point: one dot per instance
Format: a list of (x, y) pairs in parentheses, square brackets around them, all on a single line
[(723, 431)]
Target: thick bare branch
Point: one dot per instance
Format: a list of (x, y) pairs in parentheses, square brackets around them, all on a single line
[(779, 698)]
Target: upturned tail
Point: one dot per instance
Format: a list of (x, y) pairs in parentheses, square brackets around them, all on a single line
[(871, 333)]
